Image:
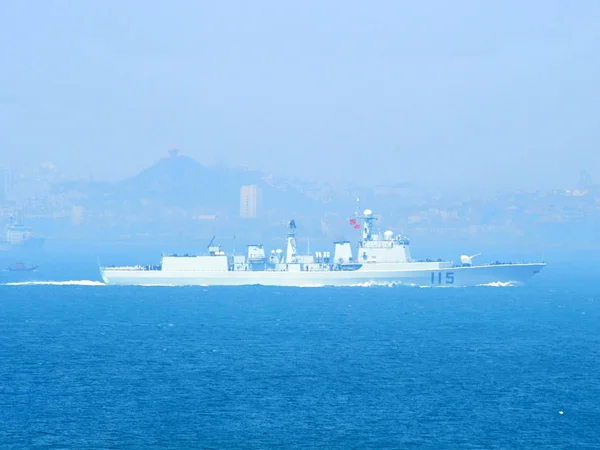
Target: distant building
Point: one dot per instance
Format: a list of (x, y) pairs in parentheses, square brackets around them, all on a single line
[(585, 180), (77, 215), (249, 197), (6, 189)]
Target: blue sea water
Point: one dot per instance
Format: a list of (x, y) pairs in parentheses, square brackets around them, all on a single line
[(91, 366)]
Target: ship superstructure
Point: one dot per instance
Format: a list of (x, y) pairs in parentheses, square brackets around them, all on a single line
[(379, 259)]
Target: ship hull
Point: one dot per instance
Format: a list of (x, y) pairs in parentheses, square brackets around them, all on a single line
[(455, 276)]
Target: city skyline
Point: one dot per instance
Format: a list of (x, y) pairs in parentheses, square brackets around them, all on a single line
[(11, 175)]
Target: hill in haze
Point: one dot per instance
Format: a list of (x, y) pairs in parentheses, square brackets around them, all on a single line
[(179, 182)]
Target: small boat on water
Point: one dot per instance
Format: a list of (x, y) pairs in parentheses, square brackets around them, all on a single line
[(21, 267)]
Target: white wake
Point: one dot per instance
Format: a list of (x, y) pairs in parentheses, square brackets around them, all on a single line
[(500, 284), (57, 283)]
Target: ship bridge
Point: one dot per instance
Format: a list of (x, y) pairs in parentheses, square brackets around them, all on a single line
[(386, 248)]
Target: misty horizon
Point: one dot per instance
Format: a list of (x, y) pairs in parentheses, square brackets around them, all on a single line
[(462, 96), (60, 176)]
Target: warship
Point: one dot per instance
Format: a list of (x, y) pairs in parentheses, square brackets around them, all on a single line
[(380, 259), (19, 237)]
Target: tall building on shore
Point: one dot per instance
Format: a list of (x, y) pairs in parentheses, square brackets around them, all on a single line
[(249, 197), (585, 180), (7, 184)]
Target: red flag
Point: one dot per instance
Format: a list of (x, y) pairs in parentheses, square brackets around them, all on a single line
[(357, 226), (352, 221)]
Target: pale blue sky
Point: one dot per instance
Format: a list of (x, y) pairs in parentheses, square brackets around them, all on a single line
[(497, 94)]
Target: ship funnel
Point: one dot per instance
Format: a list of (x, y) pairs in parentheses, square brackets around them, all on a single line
[(342, 252)]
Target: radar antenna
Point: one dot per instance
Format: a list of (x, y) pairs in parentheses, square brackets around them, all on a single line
[(211, 241)]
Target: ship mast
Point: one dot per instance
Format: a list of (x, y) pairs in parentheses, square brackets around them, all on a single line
[(290, 256), (358, 216), (367, 228)]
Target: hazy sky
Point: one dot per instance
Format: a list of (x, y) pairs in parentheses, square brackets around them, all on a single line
[(497, 94)]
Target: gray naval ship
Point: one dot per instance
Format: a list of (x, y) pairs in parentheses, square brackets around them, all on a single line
[(381, 259), (17, 237)]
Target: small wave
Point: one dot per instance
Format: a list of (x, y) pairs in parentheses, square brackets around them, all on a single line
[(499, 284), (57, 283)]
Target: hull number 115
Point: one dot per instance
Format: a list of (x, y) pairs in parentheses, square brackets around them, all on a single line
[(437, 278)]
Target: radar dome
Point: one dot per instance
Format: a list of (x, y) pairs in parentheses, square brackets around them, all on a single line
[(367, 212), (388, 235)]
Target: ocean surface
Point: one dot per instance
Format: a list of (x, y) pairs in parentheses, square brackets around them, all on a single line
[(84, 365)]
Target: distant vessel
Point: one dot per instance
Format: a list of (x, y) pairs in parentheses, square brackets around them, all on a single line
[(380, 259), (21, 267), (18, 236)]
